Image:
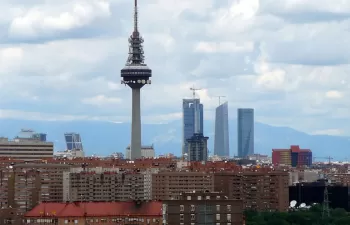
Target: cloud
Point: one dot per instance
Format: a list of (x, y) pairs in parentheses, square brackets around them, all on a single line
[(287, 59), (47, 19)]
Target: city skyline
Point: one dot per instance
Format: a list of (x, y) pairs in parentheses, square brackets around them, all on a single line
[(276, 63)]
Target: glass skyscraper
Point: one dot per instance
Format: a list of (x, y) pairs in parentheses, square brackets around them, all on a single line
[(245, 132), (73, 141), (221, 138), (191, 124)]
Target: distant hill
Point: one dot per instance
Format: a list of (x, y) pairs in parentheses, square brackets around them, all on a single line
[(103, 138)]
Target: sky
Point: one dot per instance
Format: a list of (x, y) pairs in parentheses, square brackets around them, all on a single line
[(287, 59)]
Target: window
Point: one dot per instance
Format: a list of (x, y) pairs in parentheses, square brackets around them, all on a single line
[(188, 197), (218, 208), (181, 216), (229, 208), (228, 223), (75, 221), (66, 221), (207, 197), (218, 197), (199, 197), (181, 223), (217, 216), (182, 208), (217, 223), (193, 208), (229, 217), (193, 216)]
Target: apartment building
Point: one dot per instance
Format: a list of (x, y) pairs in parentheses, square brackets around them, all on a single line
[(107, 213), (169, 185), (25, 185), (196, 208), (106, 184), (259, 190), (28, 149)]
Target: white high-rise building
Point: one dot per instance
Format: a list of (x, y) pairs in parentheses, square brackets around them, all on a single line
[(221, 138)]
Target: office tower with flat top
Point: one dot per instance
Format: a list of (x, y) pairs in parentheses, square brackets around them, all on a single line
[(245, 132), (221, 138)]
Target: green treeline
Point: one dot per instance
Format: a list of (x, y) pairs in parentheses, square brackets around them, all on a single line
[(312, 216)]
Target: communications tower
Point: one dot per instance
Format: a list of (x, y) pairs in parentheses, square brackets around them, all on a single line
[(136, 74)]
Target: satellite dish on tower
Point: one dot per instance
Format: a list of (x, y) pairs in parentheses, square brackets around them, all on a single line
[(293, 203)]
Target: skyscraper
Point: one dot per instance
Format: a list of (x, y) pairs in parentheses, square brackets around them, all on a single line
[(221, 138), (73, 141), (245, 132), (191, 123), (136, 74)]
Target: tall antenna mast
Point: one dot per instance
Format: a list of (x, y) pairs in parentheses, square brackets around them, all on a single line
[(325, 210), (135, 18), (220, 96), (193, 89)]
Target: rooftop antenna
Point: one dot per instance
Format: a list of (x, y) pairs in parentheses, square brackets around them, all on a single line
[(193, 89), (220, 96)]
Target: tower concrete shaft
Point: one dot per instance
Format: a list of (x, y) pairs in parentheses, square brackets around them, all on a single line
[(135, 147)]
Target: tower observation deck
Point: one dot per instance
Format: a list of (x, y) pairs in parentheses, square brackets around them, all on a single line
[(136, 74)]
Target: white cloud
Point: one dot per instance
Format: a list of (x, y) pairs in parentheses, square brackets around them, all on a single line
[(101, 100), (49, 18), (213, 47), (287, 59), (334, 94)]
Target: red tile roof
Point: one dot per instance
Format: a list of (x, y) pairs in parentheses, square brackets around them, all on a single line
[(96, 209)]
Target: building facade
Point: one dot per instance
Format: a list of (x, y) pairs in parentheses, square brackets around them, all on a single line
[(73, 141), (169, 185), (201, 208), (27, 149), (221, 140), (24, 185), (294, 156), (146, 152), (197, 148), (105, 184), (261, 191), (245, 132), (108, 213), (192, 116)]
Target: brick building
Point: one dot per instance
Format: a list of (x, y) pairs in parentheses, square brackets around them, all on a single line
[(107, 213), (202, 208), (169, 185), (25, 185), (294, 156), (106, 184), (259, 190)]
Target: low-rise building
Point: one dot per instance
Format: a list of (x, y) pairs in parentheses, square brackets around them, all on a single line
[(107, 213)]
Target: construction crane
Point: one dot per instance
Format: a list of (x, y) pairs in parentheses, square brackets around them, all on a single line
[(329, 159), (193, 89), (220, 96)]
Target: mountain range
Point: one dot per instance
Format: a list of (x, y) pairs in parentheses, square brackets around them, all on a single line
[(103, 138)]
